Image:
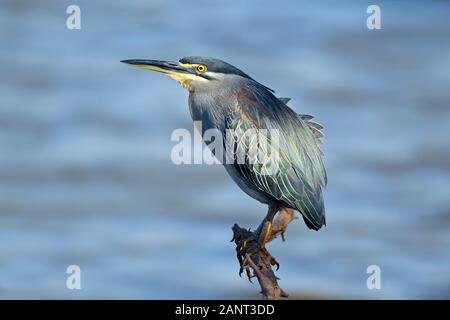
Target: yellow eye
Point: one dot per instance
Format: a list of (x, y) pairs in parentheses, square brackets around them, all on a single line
[(201, 68)]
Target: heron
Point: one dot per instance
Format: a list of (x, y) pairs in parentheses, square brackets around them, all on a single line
[(222, 97)]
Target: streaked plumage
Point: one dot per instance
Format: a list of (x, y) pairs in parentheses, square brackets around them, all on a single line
[(224, 98)]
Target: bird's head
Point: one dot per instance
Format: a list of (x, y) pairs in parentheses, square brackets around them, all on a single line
[(193, 73)]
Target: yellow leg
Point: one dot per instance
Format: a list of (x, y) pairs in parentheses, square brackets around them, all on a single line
[(268, 230)]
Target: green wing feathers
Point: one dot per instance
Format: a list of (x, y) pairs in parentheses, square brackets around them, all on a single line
[(299, 174)]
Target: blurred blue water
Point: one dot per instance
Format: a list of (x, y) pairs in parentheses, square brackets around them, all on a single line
[(85, 170)]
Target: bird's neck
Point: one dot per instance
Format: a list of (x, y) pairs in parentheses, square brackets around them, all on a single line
[(209, 108)]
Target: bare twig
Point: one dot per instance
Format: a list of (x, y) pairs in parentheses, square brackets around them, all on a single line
[(259, 264)]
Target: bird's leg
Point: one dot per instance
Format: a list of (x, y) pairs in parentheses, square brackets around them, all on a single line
[(265, 227), (259, 264), (252, 242)]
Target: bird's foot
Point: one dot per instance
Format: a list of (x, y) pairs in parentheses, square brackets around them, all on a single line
[(251, 246)]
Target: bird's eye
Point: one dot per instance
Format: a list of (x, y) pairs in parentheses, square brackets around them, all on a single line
[(201, 68)]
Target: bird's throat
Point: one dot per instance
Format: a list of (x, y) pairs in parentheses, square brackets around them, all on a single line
[(185, 80)]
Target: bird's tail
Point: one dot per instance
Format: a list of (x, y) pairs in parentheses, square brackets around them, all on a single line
[(313, 211)]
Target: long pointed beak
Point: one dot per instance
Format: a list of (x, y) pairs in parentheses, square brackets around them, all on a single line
[(167, 67)]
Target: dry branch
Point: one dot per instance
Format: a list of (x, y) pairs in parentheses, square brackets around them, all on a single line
[(260, 263)]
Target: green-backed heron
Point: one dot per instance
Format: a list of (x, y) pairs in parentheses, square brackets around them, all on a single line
[(223, 97)]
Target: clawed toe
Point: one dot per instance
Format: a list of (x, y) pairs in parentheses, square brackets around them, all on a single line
[(251, 245)]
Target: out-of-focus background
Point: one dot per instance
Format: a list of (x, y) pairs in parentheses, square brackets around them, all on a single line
[(86, 176)]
